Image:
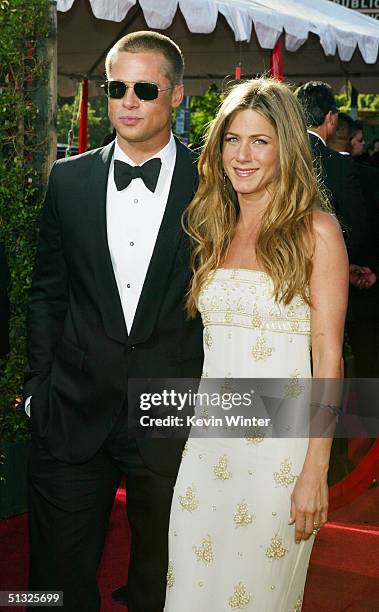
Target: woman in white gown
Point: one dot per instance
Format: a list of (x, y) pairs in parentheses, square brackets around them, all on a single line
[(270, 280)]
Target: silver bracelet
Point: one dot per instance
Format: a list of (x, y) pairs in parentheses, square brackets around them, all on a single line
[(333, 408)]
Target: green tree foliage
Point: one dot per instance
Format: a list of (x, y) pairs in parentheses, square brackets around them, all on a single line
[(203, 109), (98, 122), (365, 102), (25, 28)]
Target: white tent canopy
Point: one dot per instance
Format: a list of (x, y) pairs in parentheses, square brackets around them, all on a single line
[(321, 39)]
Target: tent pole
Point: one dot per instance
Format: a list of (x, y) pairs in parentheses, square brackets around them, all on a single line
[(83, 125), (276, 61)]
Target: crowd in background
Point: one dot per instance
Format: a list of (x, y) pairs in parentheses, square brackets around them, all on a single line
[(350, 173)]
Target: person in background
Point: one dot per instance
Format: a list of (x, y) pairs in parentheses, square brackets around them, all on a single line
[(357, 141), (338, 173), (373, 146), (368, 156), (363, 324)]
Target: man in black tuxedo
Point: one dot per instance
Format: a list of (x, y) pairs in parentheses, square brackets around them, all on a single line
[(363, 328), (107, 305), (337, 172)]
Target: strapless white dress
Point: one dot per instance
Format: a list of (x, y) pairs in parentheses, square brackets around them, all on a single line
[(230, 545)]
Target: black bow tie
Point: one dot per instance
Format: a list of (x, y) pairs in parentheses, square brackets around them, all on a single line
[(148, 172)]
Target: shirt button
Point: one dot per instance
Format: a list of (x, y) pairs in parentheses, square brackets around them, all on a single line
[(135, 200), (128, 285), (132, 244)]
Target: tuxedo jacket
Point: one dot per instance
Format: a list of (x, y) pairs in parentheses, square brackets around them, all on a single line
[(80, 356), (365, 303), (339, 177), (368, 254)]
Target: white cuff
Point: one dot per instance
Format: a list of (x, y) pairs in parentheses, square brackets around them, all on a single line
[(27, 405)]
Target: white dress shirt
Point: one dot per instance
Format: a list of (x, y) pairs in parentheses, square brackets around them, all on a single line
[(134, 216)]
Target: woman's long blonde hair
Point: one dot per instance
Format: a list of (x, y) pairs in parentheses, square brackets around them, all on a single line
[(285, 241)]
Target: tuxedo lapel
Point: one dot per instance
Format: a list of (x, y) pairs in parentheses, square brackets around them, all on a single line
[(319, 150), (108, 295), (170, 232)]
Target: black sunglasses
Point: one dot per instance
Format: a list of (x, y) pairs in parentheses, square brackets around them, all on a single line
[(143, 90)]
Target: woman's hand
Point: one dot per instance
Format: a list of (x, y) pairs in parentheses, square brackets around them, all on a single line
[(309, 503)]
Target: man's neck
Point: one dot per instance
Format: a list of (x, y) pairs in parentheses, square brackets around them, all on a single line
[(314, 132), (139, 152)]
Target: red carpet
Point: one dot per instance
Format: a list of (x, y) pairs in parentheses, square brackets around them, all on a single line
[(343, 575)]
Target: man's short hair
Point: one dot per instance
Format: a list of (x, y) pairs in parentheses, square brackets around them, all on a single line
[(317, 100), (146, 41), (347, 125)]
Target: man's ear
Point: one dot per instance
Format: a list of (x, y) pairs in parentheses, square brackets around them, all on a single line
[(332, 121), (333, 118), (177, 96)]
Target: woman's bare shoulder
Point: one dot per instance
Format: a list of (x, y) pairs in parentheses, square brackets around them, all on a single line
[(326, 226)]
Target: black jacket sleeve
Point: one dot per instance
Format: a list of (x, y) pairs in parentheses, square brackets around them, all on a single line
[(48, 298)]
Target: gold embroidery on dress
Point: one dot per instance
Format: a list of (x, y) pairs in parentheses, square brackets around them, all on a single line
[(240, 307), (189, 501), (294, 388), (261, 350), (285, 477), (290, 312), (227, 386), (170, 576), (228, 316), (276, 550), (204, 552), (242, 517), (275, 312), (256, 319), (208, 340), (221, 469), (279, 324), (240, 598), (185, 449), (254, 435), (205, 417), (298, 605)]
